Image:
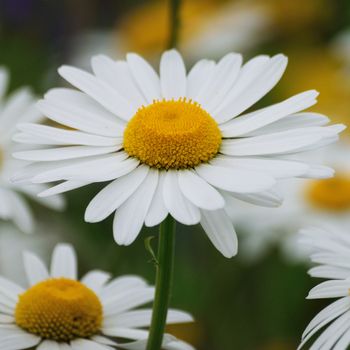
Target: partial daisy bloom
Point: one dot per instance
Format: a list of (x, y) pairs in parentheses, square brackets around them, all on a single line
[(175, 144), (57, 311), (331, 251), (18, 107), (307, 202)]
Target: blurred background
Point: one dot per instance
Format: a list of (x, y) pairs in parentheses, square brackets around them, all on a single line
[(255, 301)]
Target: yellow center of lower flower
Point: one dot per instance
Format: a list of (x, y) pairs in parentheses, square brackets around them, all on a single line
[(59, 309), (172, 134), (330, 194)]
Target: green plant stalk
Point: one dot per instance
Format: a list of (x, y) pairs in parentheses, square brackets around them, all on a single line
[(174, 7), (164, 277), (166, 245)]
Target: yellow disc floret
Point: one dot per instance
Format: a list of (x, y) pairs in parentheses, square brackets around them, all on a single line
[(172, 134), (59, 309), (330, 194)]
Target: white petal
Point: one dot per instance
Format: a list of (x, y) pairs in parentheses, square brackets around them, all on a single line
[(35, 269), (121, 285), (117, 74), (103, 340), (7, 319), (220, 231), (198, 76), (99, 91), (329, 272), (277, 143), (61, 153), (255, 83), (222, 79), (19, 341), (294, 121), (64, 262), (235, 180), (103, 168), (57, 136), (96, 280), (84, 344), (63, 187), (129, 218), (172, 75), (270, 199), (114, 195), (199, 192), (48, 345), (317, 171), (258, 119), (124, 302), (278, 168), (78, 111), (157, 211), (330, 289), (145, 77), (176, 203)]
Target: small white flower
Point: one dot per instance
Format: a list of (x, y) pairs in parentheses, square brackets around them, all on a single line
[(173, 144), (18, 107), (59, 312), (331, 251)]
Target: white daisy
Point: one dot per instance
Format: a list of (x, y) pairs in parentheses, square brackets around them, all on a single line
[(307, 202), (17, 108), (59, 312), (173, 144), (331, 248)]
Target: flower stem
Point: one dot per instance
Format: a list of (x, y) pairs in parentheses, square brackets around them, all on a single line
[(174, 14), (165, 268)]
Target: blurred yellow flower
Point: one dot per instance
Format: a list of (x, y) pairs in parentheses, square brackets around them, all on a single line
[(330, 194)]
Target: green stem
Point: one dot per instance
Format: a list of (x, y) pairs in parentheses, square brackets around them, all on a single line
[(165, 268), (174, 14)]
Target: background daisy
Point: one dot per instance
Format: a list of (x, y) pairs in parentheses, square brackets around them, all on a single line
[(57, 310), (176, 144), (18, 107), (307, 202)]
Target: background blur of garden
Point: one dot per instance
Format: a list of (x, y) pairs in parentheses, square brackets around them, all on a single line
[(255, 301)]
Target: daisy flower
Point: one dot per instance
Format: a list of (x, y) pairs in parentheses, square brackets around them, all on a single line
[(307, 202), (331, 251), (57, 311), (18, 107), (175, 144)]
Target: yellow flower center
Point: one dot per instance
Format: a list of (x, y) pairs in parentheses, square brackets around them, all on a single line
[(172, 134), (59, 309), (330, 194)]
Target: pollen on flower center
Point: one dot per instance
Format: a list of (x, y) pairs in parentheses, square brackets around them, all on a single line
[(330, 194), (172, 134), (59, 309)]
